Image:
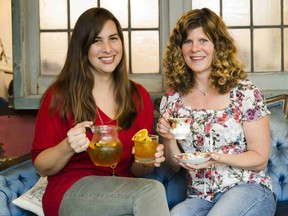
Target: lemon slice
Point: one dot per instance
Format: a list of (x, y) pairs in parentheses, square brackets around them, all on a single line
[(92, 145), (147, 139), (140, 135)]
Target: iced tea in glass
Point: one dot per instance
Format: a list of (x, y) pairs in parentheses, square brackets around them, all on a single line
[(145, 149)]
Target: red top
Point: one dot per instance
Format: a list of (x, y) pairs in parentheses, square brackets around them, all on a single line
[(50, 130)]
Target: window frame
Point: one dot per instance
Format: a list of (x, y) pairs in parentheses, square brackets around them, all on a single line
[(270, 82), (29, 85)]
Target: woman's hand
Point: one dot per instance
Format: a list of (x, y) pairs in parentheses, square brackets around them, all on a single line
[(140, 170), (171, 148), (208, 164), (77, 138), (195, 167), (159, 155), (52, 160), (163, 127)]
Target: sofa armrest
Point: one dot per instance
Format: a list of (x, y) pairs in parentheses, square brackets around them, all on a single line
[(279, 99), (9, 164)]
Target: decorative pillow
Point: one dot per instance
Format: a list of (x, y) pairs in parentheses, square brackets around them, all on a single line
[(31, 200)]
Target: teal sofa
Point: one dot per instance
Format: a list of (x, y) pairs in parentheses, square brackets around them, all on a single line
[(18, 175)]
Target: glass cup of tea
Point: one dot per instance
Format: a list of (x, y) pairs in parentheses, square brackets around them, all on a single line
[(180, 127), (105, 148), (145, 149)]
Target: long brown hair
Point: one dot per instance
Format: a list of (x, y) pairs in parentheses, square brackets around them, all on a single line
[(72, 90), (226, 68)]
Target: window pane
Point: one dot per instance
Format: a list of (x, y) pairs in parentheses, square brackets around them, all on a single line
[(266, 12), (6, 34), (53, 52), (236, 12), (286, 49), (77, 9), (211, 4), (145, 51), (286, 12), (119, 8), (51, 16), (242, 39), (267, 50), (126, 44), (144, 14)]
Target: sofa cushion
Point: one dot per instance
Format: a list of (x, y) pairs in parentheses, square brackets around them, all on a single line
[(15, 181)]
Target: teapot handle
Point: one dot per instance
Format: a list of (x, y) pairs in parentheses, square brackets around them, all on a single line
[(90, 129)]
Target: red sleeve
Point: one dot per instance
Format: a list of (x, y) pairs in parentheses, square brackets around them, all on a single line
[(49, 129)]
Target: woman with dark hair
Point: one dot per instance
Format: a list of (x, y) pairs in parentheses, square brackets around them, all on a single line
[(93, 88), (230, 122)]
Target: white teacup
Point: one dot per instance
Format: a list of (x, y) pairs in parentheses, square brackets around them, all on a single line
[(180, 127)]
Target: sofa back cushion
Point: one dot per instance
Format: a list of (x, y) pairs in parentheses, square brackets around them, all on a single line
[(278, 163)]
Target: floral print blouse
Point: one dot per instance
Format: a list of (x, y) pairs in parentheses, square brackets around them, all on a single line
[(220, 131)]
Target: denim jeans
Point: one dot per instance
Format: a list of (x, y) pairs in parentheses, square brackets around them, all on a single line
[(109, 196), (244, 199), (175, 183)]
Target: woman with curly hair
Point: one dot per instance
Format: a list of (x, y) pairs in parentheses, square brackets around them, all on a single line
[(207, 82)]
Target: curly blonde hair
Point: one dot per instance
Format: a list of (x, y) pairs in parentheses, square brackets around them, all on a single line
[(227, 70)]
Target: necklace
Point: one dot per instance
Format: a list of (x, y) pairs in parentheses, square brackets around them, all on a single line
[(203, 92), (100, 117), (102, 123)]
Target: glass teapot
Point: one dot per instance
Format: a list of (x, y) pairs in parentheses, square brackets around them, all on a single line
[(105, 148)]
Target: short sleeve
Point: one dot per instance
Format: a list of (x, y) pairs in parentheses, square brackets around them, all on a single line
[(163, 104), (170, 103), (50, 129), (253, 104)]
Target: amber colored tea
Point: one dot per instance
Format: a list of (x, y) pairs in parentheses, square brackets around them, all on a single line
[(105, 153), (145, 150)]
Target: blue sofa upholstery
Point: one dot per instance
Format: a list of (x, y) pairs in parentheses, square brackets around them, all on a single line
[(277, 167), (18, 175)]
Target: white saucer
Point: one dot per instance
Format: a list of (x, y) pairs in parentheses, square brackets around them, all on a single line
[(193, 157)]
